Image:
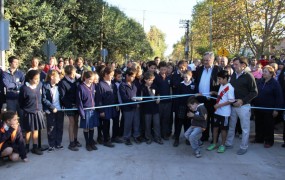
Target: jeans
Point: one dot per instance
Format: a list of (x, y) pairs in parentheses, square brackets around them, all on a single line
[(243, 113), (193, 134)]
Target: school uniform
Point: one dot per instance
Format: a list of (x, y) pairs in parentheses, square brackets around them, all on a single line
[(30, 100), (85, 98), (118, 127), (54, 120), (131, 112), (151, 112), (181, 108), (163, 89), (67, 90)]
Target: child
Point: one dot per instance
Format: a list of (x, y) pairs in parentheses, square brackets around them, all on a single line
[(187, 86), (118, 127), (106, 97), (131, 112), (151, 110), (30, 100), (85, 98), (162, 82), (67, 92), (226, 97), (198, 114), (51, 105), (11, 139)]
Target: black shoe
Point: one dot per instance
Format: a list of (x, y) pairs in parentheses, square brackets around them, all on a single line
[(72, 147), (205, 139), (158, 141), (108, 144), (117, 140), (27, 150), (176, 143), (283, 145), (37, 151), (142, 139), (148, 141), (187, 142), (128, 142), (77, 143), (137, 140), (93, 146), (93, 142), (165, 138), (51, 149), (88, 147), (60, 147), (256, 141)]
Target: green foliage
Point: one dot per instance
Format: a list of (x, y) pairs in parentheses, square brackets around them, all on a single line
[(78, 28), (157, 41)]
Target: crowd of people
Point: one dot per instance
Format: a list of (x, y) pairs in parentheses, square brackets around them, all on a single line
[(144, 101)]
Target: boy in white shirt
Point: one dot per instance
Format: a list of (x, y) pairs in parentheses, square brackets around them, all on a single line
[(225, 98)]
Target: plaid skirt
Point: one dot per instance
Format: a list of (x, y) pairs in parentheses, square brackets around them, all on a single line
[(33, 121)]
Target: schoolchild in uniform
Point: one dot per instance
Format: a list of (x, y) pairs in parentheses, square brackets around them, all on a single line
[(67, 91), (151, 110), (106, 97), (187, 86), (11, 139), (51, 105), (226, 97), (30, 100), (86, 98), (118, 125), (162, 82), (131, 113)]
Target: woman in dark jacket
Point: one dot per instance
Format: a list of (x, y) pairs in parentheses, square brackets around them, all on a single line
[(269, 96)]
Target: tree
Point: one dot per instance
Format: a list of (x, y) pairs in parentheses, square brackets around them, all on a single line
[(157, 41)]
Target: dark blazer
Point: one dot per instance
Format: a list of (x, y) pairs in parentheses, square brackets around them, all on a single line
[(214, 85)]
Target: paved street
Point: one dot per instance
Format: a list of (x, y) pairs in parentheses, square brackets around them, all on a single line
[(151, 162)]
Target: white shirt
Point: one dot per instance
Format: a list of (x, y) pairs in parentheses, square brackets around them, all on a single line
[(55, 97), (228, 96), (192, 67), (204, 85)]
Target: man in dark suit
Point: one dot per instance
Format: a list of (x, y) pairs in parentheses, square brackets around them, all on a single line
[(207, 81)]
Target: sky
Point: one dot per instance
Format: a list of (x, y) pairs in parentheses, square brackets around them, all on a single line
[(164, 14)]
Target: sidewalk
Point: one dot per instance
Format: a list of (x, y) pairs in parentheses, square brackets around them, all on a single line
[(150, 162)]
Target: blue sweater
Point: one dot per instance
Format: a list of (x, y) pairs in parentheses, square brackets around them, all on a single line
[(85, 98), (127, 92), (106, 96), (67, 92), (47, 97), (269, 94), (30, 100), (13, 83), (163, 86)]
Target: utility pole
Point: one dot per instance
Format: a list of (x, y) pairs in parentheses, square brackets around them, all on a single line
[(101, 30), (186, 25), (2, 53), (211, 28)]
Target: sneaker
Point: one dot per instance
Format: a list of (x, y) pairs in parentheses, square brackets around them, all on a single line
[(187, 142), (37, 151), (72, 147), (77, 143), (108, 144), (88, 147), (51, 149), (148, 141), (93, 146), (158, 141), (198, 154), (117, 140), (221, 149), (137, 140), (60, 147), (212, 147), (241, 151), (128, 142), (176, 143)]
